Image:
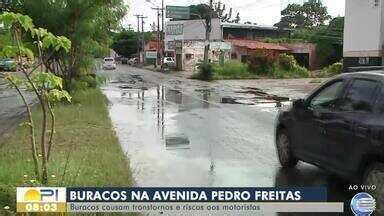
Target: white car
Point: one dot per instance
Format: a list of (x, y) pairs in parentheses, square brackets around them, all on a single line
[(109, 64), (169, 62)]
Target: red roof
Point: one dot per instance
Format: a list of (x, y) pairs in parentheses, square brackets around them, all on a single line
[(151, 45), (255, 45)]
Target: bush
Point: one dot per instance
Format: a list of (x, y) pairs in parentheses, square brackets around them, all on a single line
[(88, 81), (296, 72), (287, 62), (206, 72), (336, 68), (287, 67), (232, 69), (261, 63), (332, 70)]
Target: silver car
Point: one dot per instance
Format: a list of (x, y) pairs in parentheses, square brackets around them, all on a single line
[(109, 64)]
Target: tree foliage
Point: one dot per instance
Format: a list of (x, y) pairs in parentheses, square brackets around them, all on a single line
[(328, 38), (88, 25), (310, 14), (219, 10), (126, 42), (47, 87)]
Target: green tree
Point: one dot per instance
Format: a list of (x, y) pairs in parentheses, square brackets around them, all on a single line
[(292, 17), (126, 42), (87, 24), (47, 87), (328, 40), (310, 14), (316, 14), (219, 10)]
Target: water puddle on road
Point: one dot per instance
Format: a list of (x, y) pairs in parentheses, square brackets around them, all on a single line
[(175, 137), (187, 137)]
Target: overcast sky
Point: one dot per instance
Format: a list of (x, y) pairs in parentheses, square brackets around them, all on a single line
[(263, 12)]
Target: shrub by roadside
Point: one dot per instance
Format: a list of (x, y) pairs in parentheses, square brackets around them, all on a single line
[(86, 150), (287, 67), (332, 70), (259, 66), (86, 81), (232, 69), (205, 72)]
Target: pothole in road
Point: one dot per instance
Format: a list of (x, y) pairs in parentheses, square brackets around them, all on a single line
[(177, 141), (133, 81), (254, 96)]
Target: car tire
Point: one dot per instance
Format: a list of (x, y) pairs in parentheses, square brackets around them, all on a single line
[(375, 176), (284, 150)]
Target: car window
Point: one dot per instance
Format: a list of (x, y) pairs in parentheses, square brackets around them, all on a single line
[(381, 101), (328, 96), (108, 60), (360, 96)]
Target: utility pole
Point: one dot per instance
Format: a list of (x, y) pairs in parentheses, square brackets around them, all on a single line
[(159, 50), (162, 33), (208, 29), (143, 36), (138, 33)]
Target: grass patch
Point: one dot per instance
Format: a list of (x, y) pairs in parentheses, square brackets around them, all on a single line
[(232, 70), (84, 136)]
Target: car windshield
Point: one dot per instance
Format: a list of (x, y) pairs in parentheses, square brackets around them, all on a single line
[(108, 60)]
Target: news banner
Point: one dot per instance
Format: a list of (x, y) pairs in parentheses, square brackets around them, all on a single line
[(176, 200)]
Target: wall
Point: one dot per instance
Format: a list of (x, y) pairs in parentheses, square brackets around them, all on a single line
[(304, 48), (193, 53), (363, 28), (191, 30)]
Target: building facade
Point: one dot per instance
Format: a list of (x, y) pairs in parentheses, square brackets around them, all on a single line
[(363, 33), (186, 40)]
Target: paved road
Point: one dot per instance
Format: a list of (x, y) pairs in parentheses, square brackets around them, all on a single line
[(179, 132), (11, 107)]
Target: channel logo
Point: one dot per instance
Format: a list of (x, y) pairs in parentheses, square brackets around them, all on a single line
[(363, 204), (41, 199)]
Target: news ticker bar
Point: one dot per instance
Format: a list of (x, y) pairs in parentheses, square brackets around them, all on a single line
[(184, 208), (197, 200)]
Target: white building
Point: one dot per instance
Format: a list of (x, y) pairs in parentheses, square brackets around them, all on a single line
[(186, 41), (363, 33)]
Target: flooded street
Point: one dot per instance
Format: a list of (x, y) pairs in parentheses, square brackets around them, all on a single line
[(179, 132)]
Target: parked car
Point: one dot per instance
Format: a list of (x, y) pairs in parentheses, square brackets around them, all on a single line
[(169, 62), (124, 60), (118, 58), (338, 127), (133, 61), (109, 64), (7, 64)]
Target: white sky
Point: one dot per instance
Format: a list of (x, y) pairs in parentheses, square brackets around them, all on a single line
[(263, 12)]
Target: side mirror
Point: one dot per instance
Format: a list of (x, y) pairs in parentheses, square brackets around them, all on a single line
[(300, 103)]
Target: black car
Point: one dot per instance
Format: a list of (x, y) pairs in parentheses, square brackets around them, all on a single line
[(338, 127)]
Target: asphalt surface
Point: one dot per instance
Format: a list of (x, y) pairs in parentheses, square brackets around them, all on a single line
[(180, 132), (11, 107)]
